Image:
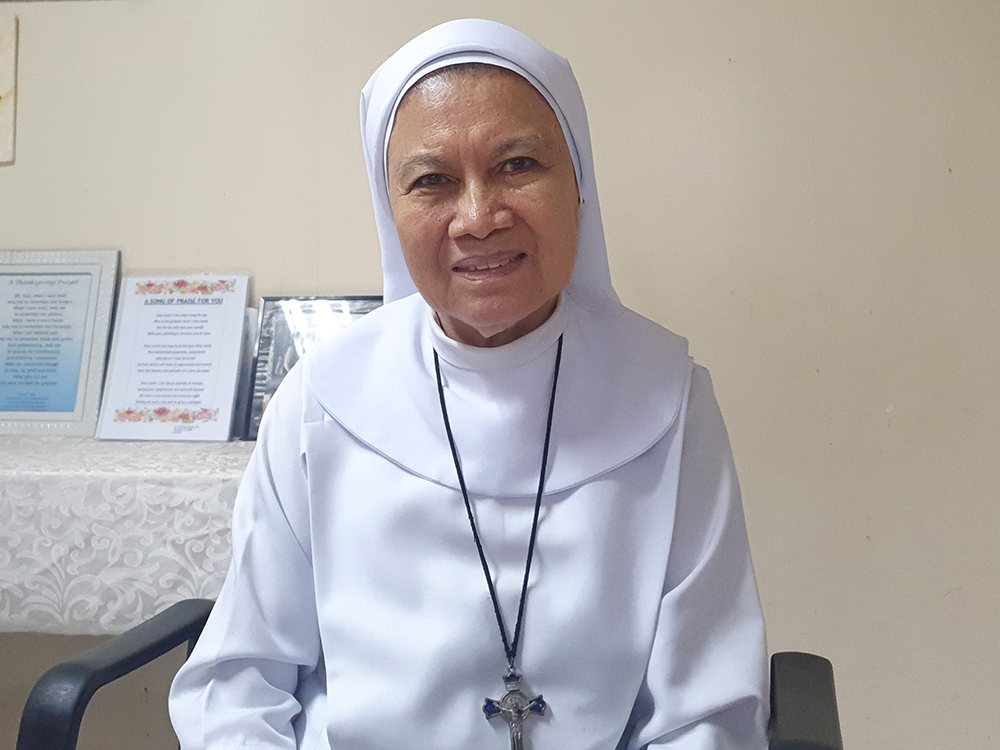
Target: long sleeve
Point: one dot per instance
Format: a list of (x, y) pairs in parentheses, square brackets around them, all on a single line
[(238, 689), (706, 682)]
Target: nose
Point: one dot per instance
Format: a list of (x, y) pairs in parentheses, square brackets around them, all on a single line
[(479, 211)]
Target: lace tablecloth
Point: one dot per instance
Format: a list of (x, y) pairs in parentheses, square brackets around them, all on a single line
[(96, 537)]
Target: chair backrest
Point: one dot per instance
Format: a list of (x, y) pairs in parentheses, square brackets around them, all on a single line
[(55, 707), (803, 703), (803, 698)]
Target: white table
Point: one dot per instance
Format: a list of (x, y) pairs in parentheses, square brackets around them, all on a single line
[(96, 536)]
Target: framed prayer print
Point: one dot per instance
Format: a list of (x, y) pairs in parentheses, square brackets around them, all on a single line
[(175, 362), (55, 318), (287, 328)]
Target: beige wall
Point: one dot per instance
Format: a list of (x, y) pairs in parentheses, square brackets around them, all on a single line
[(807, 190)]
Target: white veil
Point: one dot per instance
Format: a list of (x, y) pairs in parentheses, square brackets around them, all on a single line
[(474, 40)]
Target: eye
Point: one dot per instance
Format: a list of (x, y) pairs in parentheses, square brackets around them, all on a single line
[(518, 164), (429, 181)]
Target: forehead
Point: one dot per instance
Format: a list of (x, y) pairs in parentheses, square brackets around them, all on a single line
[(457, 73), (454, 103)]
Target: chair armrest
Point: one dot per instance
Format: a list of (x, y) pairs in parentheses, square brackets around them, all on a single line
[(54, 710), (803, 703)]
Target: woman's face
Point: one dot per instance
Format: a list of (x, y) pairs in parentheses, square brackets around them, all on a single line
[(485, 201)]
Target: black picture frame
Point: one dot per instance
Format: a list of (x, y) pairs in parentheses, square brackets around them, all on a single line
[(287, 328)]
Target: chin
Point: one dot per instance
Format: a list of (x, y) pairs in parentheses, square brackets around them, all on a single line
[(487, 328), (497, 318), (493, 325), (490, 330)]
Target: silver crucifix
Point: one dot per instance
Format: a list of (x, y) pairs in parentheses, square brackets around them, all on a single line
[(514, 708)]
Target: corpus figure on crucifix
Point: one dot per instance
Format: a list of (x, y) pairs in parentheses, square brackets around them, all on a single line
[(514, 707)]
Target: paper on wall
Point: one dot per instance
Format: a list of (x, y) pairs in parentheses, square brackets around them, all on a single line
[(8, 86)]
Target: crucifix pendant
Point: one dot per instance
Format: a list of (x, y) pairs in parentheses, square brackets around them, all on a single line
[(514, 708)]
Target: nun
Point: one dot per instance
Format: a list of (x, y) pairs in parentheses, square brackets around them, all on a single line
[(501, 510)]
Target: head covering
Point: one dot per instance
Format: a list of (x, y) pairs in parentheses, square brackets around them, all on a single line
[(475, 40)]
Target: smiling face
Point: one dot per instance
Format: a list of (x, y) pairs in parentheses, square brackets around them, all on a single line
[(485, 202)]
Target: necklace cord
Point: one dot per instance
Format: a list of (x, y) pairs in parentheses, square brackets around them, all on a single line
[(538, 505), (510, 648)]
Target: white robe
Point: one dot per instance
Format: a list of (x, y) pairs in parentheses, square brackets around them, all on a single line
[(356, 615)]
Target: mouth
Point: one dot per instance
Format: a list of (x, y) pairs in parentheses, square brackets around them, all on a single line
[(484, 267)]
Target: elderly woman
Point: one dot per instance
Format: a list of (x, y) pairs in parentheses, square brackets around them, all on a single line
[(500, 511)]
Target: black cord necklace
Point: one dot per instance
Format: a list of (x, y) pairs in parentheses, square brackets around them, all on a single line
[(515, 706)]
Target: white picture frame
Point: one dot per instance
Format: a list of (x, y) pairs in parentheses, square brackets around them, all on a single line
[(56, 308), (175, 360)]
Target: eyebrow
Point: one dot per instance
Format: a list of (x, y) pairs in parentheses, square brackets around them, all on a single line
[(522, 142), (426, 161)]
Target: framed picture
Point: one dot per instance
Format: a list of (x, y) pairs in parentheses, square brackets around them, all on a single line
[(176, 358), (55, 317), (287, 328)]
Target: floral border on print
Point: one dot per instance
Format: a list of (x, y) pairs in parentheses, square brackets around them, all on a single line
[(183, 286), (167, 415)]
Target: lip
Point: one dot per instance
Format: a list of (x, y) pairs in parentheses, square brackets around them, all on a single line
[(489, 266)]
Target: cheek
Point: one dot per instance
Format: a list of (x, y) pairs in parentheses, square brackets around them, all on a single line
[(558, 224), (420, 237), (566, 249), (415, 227)]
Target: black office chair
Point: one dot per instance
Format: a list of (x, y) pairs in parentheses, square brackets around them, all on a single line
[(803, 701)]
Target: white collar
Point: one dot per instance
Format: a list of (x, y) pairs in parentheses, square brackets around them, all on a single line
[(621, 387)]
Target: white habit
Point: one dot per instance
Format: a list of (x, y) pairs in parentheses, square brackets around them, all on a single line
[(356, 615)]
